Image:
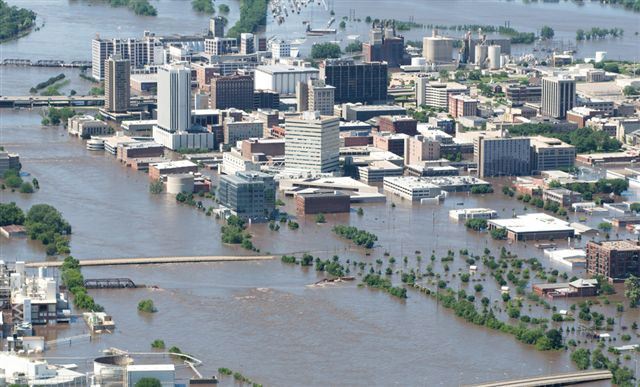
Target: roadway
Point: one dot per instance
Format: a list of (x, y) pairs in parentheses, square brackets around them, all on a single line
[(155, 260), (553, 380)]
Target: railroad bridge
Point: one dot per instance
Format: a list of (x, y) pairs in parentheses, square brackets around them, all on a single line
[(109, 283)]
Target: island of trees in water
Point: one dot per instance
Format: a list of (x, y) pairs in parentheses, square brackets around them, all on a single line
[(15, 21)]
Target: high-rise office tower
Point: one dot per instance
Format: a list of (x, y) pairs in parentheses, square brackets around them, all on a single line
[(502, 156), (558, 96), (117, 90), (355, 82), (216, 27), (174, 97), (247, 43), (232, 91), (316, 96), (312, 143)]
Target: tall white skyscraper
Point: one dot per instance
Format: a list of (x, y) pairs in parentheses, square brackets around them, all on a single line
[(312, 143), (558, 96), (174, 97)]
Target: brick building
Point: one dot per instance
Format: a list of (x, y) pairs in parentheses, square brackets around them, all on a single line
[(615, 260), (322, 201), (398, 124)]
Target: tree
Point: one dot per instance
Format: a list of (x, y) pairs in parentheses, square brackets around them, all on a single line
[(10, 213), (325, 50), (360, 211), (632, 290), (156, 186), (320, 218), (443, 75), (148, 382), (147, 306), (547, 32), (158, 344), (582, 358), (26, 187), (604, 226)]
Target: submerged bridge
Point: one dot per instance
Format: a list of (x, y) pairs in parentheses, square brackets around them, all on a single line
[(156, 260), (553, 380), (109, 283)]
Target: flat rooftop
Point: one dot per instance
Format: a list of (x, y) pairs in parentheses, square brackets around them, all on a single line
[(280, 68), (410, 182), (625, 245), (531, 223)]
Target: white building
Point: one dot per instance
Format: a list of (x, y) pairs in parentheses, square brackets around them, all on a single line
[(411, 188), (437, 49), (473, 213), (140, 52), (183, 139), (321, 97), (86, 125), (235, 131), (574, 258), (247, 43), (233, 162), (436, 94), (280, 49), (174, 97), (312, 143), (35, 299), (18, 370), (281, 78)]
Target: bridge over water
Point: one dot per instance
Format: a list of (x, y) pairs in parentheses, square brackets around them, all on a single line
[(155, 260), (31, 101), (553, 380)]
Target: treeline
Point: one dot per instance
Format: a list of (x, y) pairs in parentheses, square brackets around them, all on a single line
[(357, 236), (73, 280), (602, 186), (326, 50), (47, 83), (203, 6), (586, 140), (253, 13), (14, 21), (46, 224), (139, 7), (598, 33), (632, 5), (234, 233), (459, 303), (42, 222), (55, 116), (237, 376), (378, 282)]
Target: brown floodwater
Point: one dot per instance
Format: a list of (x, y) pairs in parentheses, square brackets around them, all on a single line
[(262, 318)]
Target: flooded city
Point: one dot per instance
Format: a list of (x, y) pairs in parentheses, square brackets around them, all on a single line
[(267, 319)]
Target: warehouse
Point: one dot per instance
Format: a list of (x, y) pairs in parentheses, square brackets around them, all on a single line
[(536, 226)]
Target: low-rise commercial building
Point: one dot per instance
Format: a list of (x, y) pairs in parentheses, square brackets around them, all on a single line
[(561, 196), (411, 188), (86, 125), (573, 258), (615, 260), (535, 226), (376, 171), (315, 201), (359, 192), (171, 167), (359, 112), (578, 288), (472, 213)]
